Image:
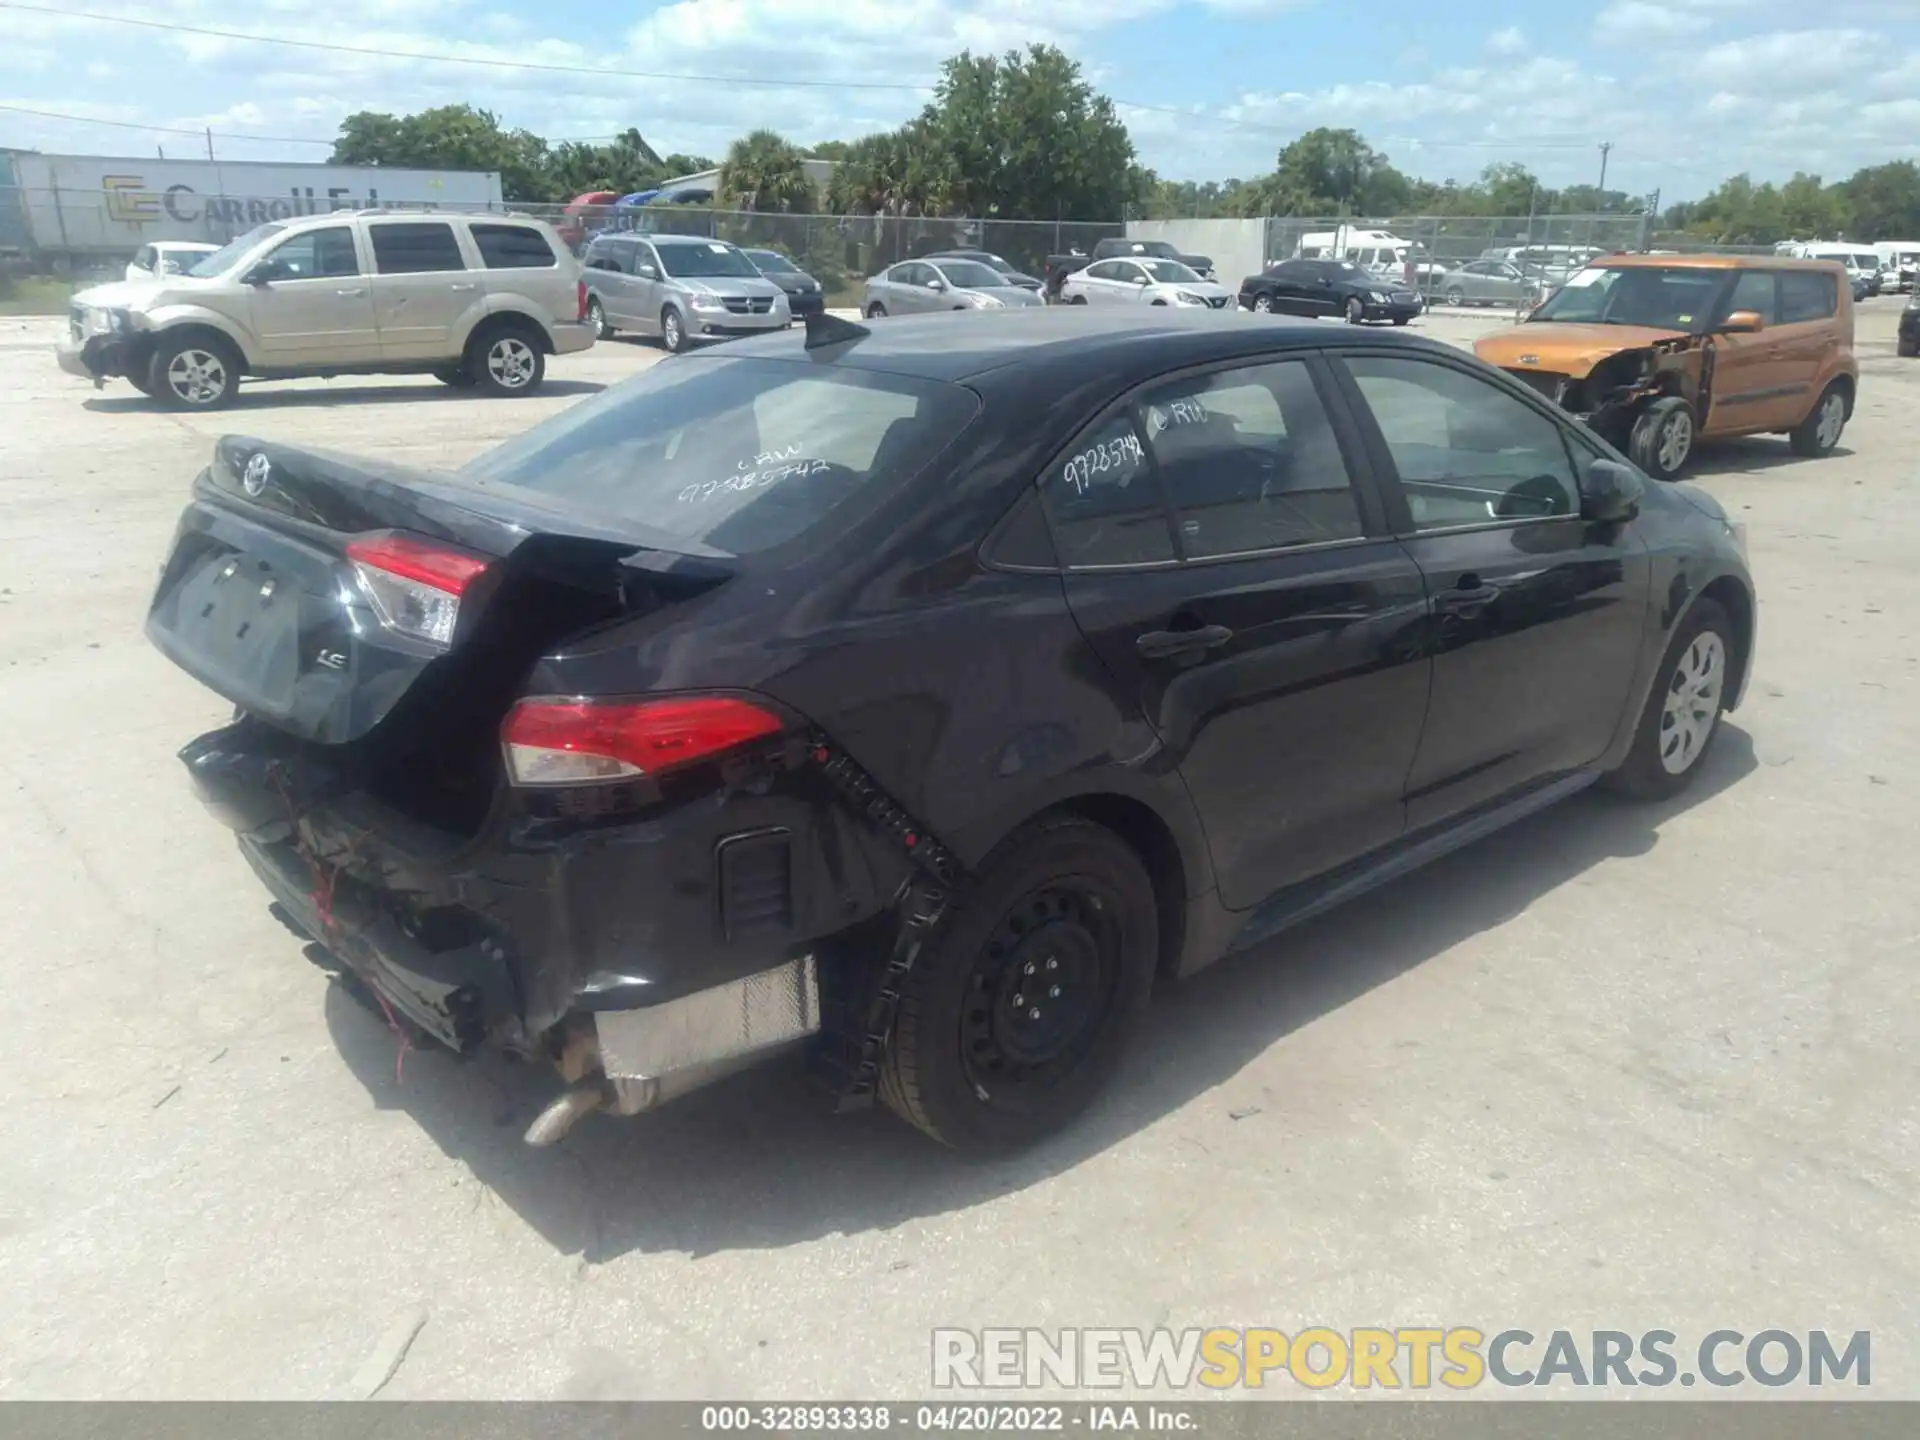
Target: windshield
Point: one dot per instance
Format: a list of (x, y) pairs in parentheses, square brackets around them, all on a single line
[(1170, 272), (708, 258), (228, 255), (971, 275), (740, 455), (773, 260), (1661, 297), (1867, 262)]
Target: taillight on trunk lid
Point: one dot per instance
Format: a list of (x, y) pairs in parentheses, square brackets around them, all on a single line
[(587, 742), (415, 584)]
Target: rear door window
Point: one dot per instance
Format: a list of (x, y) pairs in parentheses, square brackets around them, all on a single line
[(513, 247), (1807, 295), (1104, 502), (415, 248), (1758, 291), (740, 455), (1250, 462)]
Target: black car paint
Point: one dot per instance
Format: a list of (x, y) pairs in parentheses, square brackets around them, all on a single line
[(805, 295), (965, 685), (1908, 337), (1324, 287)]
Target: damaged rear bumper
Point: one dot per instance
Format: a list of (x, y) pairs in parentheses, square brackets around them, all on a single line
[(644, 959)]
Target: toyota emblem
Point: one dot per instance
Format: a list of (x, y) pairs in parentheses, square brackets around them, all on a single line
[(254, 478)]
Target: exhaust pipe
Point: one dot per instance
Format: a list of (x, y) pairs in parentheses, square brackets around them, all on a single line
[(568, 1109)]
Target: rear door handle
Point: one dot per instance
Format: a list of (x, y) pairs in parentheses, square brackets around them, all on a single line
[(468, 286), (1156, 644), (357, 290)]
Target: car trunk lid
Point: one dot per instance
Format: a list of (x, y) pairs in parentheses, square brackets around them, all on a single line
[(327, 595)]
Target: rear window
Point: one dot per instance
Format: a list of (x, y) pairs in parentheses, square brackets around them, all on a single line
[(739, 455), (401, 249), (513, 247)]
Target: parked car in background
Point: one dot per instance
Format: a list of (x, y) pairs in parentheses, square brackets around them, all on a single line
[(167, 257), (1012, 274), (1654, 351), (1488, 282), (1059, 267), (765, 710), (1147, 281), (1860, 264), (917, 286), (681, 288), (1908, 342), (1902, 258), (1328, 287), (1380, 253), (476, 300), (805, 295)]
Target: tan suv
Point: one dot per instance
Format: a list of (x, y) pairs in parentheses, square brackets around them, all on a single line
[(477, 300)]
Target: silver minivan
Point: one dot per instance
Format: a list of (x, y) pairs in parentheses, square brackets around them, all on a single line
[(682, 288)]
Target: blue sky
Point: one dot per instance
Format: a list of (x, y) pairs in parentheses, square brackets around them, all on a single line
[(1688, 91)]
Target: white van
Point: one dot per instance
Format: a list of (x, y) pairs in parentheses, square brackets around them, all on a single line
[(1861, 262), (1378, 251), (1902, 258)]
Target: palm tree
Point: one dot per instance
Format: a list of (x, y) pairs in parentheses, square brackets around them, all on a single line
[(763, 171)]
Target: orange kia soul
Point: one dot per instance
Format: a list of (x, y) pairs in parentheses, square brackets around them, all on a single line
[(1654, 351)]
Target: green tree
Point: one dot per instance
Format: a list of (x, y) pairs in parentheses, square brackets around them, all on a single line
[(452, 137), (1883, 201), (763, 171), (1024, 137)]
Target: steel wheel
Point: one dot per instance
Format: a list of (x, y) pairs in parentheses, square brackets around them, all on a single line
[(197, 377), (1038, 991), (511, 363), (1692, 706)]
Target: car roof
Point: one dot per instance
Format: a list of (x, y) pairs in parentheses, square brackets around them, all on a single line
[(686, 240), (1710, 262), (963, 345)]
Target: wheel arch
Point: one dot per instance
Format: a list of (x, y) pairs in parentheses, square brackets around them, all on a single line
[(1734, 598), (205, 325), (1151, 838), (510, 317)]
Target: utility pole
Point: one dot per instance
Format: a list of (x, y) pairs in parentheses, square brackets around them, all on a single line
[(1605, 146), (209, 142)]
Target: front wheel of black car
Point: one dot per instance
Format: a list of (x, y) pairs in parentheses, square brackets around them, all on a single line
[(1683, 709), (1662, 438), (1908, 346), (1019, 1008), (1356, 310)]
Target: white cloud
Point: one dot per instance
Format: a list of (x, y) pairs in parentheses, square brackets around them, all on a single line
[(1636, 22), (1510, 41)]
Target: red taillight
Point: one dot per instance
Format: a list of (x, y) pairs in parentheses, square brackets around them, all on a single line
[(581, 296), (415, 585), (581, 742)]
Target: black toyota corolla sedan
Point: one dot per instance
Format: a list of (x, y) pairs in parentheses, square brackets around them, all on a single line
[(913, 697)]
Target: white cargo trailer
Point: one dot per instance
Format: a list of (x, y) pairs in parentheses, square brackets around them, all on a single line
[(93, 207)]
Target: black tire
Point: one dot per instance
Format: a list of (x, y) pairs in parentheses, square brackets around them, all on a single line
[(1078, 300), (1820, 431), (969, 1067), (458, 376), (1644, 775), (673, 331), (1401, 319), (876, 311), (143, 382), (506, 359), (1455, 296), (1661, 441), (1908, 348), (597, 317), (1356, 310), (196, 371)]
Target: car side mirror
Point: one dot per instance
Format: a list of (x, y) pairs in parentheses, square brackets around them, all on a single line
[(260, 274), (936, 284), (1610, 492), (1744, 322)]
